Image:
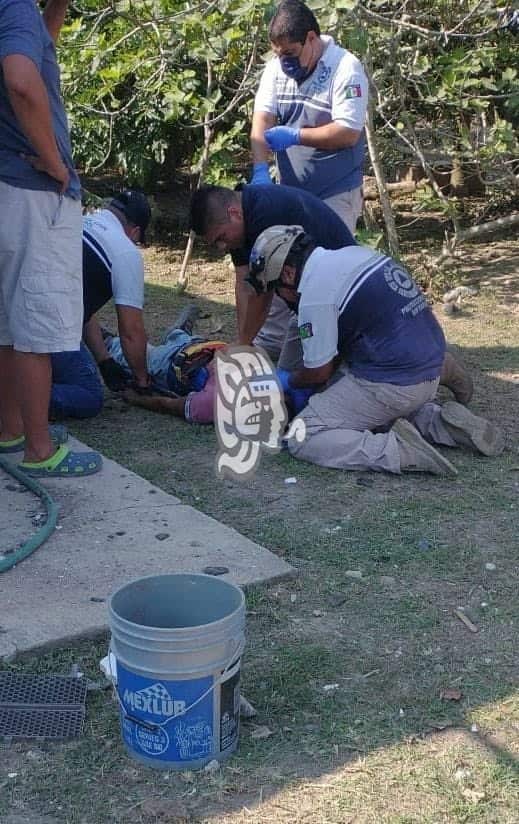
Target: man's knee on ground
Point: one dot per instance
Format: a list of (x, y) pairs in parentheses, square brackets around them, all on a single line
[(95, 406), (79, 405), (302, 447)]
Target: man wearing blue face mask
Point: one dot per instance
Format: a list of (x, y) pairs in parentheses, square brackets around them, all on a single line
[(310, 109)]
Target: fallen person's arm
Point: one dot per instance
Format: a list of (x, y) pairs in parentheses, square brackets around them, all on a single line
[(156, 403), (196, 407)]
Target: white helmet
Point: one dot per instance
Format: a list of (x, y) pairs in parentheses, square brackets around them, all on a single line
[(269, 254)]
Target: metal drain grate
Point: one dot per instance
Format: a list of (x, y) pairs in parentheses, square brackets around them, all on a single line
[(41, 706), (18, 688)]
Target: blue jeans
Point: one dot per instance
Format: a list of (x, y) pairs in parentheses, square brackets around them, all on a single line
[(77, 391), (158, 358)]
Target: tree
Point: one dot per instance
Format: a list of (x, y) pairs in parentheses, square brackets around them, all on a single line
[(157, 85)]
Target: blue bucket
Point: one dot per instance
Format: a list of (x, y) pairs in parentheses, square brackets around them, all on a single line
[(178, 641)]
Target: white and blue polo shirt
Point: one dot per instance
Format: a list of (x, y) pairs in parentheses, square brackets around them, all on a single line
[(336, 91), (366, 307), (112, 264)]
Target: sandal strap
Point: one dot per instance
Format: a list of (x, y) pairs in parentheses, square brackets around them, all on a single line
[(51, 463)]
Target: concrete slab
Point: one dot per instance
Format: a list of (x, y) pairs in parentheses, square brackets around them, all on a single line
[(113, 528), (24, 509)]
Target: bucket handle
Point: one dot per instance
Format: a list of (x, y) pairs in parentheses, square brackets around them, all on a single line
[(236, 655)]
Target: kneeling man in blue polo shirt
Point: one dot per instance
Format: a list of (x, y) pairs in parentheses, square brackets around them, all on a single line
[(371, 343)]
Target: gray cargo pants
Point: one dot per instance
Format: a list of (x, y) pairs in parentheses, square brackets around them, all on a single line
[(340, 421)]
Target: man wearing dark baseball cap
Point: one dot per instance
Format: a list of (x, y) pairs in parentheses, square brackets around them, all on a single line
[(113, 267), (135, 207)]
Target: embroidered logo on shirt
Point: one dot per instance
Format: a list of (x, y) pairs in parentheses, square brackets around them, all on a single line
[(352, 91), (400, 281), (324, 73), (306, 331)]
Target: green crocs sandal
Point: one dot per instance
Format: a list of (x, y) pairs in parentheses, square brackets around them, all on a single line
[(58, 435), (16, 445), (64, 464)]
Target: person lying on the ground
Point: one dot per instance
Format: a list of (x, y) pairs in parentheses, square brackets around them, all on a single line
[(364, 307), (232, 220), (113, 268), (179, 369), (182, 373), (76, 390)]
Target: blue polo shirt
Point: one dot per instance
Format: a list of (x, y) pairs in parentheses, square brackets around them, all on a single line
[(265, 206), (23, 32), (366, 307)]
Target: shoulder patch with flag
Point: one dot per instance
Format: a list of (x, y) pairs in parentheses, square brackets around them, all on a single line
[(306, 331), (352, 91)]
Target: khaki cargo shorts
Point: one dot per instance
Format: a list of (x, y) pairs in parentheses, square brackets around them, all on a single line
[(41, 283)]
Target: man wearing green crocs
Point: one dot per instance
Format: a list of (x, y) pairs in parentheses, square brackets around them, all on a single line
[(40, 237)]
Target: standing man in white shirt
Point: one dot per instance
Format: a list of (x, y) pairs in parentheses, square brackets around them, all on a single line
[(310, 109)]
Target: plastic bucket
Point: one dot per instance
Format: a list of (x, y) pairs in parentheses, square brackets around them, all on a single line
[(178, 641)]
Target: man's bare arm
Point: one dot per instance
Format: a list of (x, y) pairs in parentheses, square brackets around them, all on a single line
[(54, 16), (306, 377), (332, 136), (133, 341), (94, 340), (30, 101), (261, 121), (251, 309)]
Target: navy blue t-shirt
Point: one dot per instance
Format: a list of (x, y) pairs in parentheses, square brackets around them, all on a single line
[(23, 32), (268, 205)]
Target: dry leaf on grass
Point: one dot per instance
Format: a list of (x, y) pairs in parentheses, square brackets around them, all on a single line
[(474, 796), (164, 809), (451, 694), (261, 732)]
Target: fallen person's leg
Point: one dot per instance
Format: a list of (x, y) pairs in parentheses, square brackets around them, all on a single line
[(76, 390), (172, 367)]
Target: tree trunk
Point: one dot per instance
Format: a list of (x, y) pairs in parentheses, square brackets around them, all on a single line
[(385, 202), (208, 136)]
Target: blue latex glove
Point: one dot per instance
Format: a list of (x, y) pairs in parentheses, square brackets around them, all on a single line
[(298, 397), (280, 138), (199, 379), (284, 378), (260, 174)]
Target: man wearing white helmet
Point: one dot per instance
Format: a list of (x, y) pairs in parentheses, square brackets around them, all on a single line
[(371, 342)]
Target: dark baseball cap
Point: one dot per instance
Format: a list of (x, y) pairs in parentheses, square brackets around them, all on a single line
[(134, 205)]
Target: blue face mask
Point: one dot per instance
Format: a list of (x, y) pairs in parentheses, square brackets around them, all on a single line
[(293, 68)]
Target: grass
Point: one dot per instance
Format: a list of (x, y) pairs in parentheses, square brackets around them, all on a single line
[(383, 746)]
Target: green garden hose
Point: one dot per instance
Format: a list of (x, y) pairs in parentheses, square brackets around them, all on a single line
[(9, 558)]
